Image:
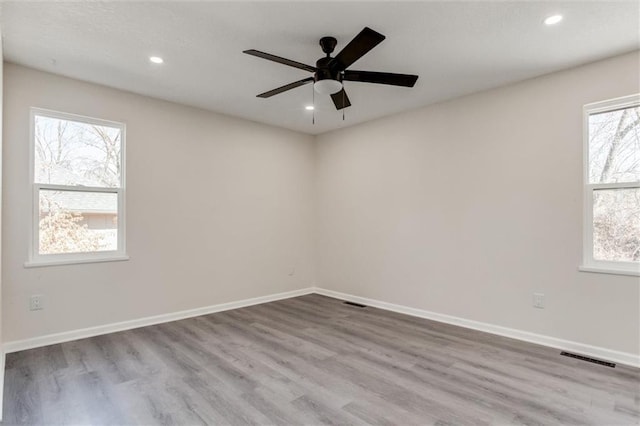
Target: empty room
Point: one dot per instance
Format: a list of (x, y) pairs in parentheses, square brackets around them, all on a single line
[(305, 213)]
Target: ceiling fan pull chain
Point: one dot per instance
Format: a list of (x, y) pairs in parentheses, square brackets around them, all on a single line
[(343, 102), (313, 102)]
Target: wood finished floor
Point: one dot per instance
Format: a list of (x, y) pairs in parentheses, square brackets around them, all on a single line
[(312, 360)]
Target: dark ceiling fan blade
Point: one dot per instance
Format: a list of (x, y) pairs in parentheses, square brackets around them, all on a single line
[(340, 99), (357, 48), (286, 87), (406, 80), (280, 60)]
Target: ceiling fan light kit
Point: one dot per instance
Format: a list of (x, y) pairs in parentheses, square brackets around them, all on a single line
[(327, 86), (330, 72)]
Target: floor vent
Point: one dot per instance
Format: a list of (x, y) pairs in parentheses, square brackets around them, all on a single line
[(358, 305), (586, 358)]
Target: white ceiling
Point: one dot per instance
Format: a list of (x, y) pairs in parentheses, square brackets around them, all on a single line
[(455, 47)]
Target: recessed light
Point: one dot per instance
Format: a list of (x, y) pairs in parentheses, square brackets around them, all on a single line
[(553, 19), (309, 108), (156, 59)]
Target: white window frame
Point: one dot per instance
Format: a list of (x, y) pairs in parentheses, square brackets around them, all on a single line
[(589, 264), (35, 259)]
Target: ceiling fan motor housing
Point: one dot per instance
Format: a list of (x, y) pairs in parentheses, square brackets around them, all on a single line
[(324, 70)]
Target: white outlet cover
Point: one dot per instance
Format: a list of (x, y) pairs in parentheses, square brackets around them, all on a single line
[(36, 302), (538, 300)]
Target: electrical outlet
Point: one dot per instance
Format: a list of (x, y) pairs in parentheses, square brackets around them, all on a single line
[(538, 300), (36, 302)]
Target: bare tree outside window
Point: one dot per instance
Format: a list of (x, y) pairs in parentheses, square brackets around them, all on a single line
[(614, 171), (76, 153), (76, 164)]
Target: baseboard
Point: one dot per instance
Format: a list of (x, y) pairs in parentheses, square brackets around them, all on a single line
[(567, 345), (50, 339)]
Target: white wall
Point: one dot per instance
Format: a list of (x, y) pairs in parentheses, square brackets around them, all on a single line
[(467, 207), (218, 209)]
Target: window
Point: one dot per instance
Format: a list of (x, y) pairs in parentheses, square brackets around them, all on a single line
[(612, 186), (77, 171)]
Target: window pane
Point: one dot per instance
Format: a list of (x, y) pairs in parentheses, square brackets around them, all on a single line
[(614, 146), (77, 222), (75, 153), (616, 224)]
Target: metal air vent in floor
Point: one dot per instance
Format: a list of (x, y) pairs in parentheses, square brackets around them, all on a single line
[(588, 359)]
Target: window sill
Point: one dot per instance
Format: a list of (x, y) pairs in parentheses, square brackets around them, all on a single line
[(611, 271), (58, 262)]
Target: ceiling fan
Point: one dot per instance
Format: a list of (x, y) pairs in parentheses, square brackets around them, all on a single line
[(329, 73)]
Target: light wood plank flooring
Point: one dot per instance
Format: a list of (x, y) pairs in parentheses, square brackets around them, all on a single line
[(312, 360)]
